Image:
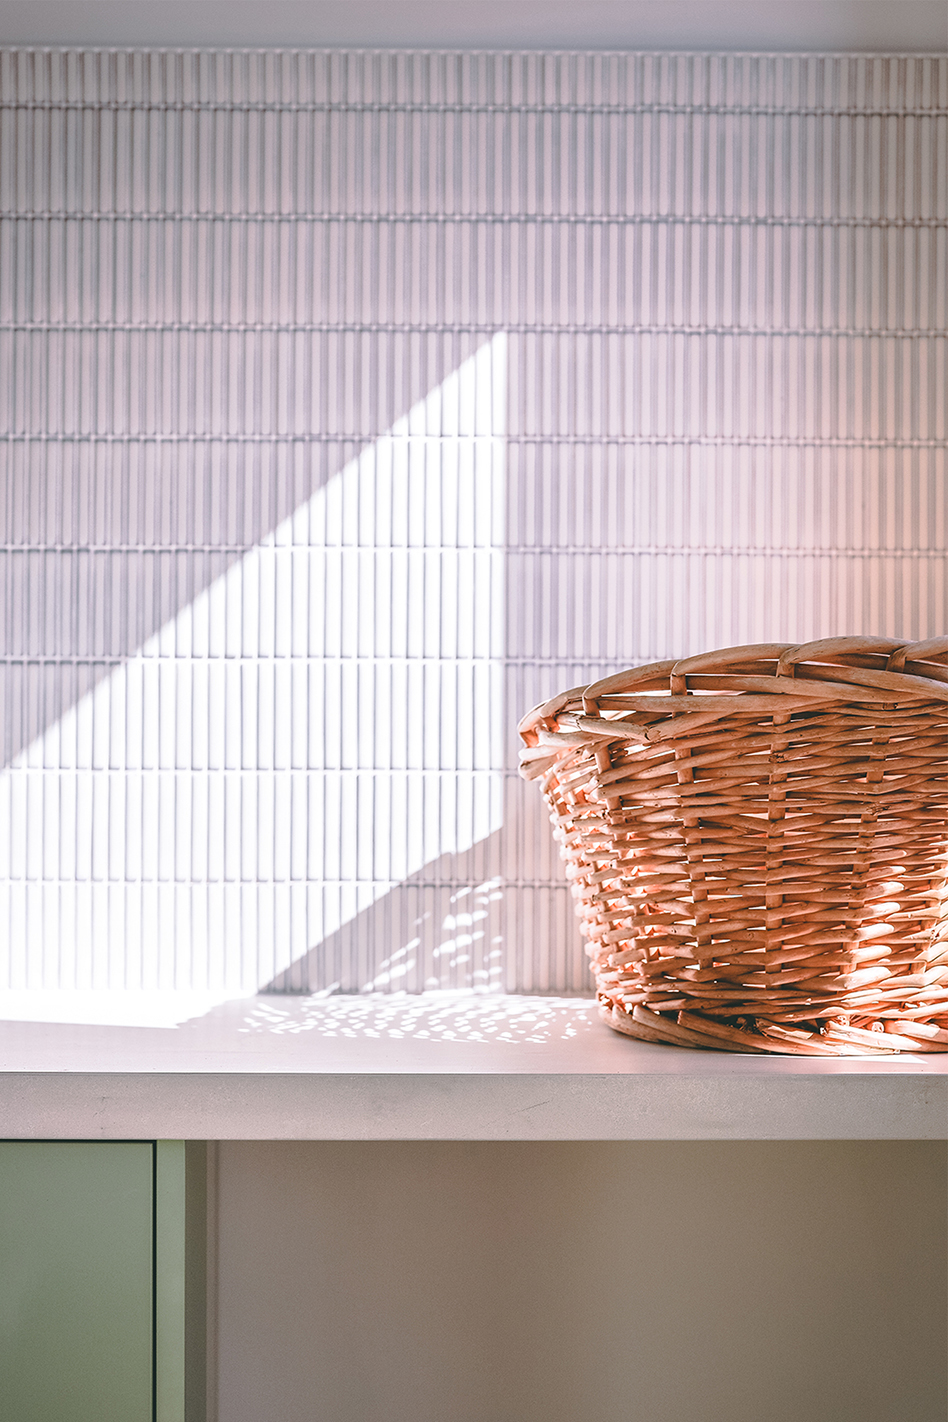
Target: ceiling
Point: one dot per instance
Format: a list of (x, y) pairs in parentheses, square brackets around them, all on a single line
[(901, 25)]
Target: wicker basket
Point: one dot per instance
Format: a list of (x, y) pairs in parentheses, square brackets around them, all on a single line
[(756, 839)]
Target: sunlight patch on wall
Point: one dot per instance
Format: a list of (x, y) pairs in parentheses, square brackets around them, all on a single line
[(320, 723)]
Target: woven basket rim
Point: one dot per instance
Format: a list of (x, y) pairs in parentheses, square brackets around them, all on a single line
[(906, 670)]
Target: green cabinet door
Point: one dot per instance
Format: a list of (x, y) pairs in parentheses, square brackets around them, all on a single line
[(92, 1281)]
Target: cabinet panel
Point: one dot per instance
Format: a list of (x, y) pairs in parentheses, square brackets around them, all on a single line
[(76, 1297)]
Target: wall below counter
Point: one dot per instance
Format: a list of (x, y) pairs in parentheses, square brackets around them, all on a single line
[(513, 1282)]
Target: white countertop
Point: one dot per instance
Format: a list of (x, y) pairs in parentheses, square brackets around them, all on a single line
[(436, 1066)]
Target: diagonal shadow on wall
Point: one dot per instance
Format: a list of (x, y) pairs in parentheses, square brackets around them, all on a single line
[(448, 926), (440, 927)]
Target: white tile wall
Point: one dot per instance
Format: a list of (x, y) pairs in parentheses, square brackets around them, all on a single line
[(354, 402)]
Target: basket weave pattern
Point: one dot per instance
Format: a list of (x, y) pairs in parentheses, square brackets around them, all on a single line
[(756, 840)]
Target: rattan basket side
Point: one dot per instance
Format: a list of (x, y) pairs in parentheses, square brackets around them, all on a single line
[(757, 842)]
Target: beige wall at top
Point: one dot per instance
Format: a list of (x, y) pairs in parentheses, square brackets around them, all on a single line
[(492, 24), (582, 1282)]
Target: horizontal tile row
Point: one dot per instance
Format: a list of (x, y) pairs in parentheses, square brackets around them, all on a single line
[(461, 164), (665, 385), (322, 276), (645, 607), (262, 714), (171, 518), (151, 827), (474, 933), (301, 77)]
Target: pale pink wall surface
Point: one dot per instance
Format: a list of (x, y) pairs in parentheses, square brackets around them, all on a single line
[(709, 294)]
